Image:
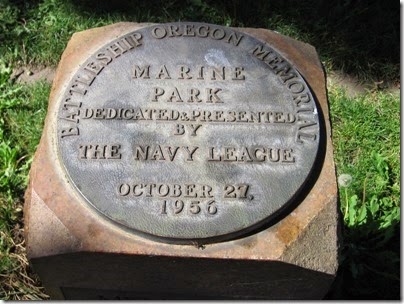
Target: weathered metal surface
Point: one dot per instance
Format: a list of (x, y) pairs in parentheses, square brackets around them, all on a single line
[(188, 131)]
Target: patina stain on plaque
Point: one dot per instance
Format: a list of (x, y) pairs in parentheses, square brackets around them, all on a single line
[(188, 131)]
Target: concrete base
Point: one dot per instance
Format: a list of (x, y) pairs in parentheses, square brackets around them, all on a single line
[(78, 254)]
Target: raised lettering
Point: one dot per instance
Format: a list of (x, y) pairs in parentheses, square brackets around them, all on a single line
[(139, 72)]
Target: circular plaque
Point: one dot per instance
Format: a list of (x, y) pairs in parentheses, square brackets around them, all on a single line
[(188, 131)]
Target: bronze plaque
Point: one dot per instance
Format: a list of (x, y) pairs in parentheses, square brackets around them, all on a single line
[(188, 132)]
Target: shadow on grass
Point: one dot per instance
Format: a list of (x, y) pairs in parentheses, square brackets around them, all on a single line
[(370, 266), (359, 37)]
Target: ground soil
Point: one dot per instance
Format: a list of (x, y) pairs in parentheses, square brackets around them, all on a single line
[(31, 74)]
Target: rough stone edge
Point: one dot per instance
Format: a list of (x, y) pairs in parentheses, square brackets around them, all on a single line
[(59, 239)]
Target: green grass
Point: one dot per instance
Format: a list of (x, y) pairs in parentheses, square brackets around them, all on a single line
[(361, 38), (366, 135), (22, 112)]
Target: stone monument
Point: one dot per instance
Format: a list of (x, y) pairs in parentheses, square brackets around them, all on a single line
[(185, 161)]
